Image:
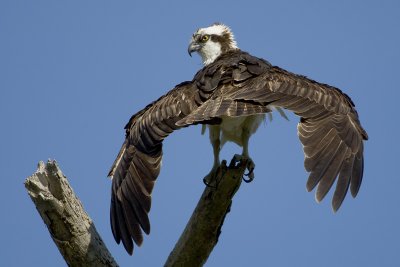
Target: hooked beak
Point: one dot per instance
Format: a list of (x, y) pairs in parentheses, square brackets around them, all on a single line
[(193, 47)]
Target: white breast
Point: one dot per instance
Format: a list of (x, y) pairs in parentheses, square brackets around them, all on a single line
[(232, 128)]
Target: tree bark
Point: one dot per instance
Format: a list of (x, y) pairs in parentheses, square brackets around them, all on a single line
[(76, 237), (70, 227), (204, 227)]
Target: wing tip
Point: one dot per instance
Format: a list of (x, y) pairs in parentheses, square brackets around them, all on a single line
[(309, 185), (336, 205), (354, 192), (130, 250)]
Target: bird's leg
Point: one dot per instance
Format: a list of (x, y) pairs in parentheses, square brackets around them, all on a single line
[(245, 156), (216, 144), (245, 153)]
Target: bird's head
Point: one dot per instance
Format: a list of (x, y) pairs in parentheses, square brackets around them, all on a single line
[(211, 42)]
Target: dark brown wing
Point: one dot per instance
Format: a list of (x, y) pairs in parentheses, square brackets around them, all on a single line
[(236, 84), (329, 127), (138, 163)]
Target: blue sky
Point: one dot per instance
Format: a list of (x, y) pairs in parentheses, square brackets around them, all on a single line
[(73, 72)]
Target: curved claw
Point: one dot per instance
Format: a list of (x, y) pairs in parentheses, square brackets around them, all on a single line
[(237, 159), (248, 180), (249, 166), (207, 183), (250, 174), (208, 180)]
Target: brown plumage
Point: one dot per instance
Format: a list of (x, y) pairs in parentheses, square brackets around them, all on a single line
[(237, 84)]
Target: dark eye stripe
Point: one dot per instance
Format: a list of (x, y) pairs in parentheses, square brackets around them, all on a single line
[(222, 39)]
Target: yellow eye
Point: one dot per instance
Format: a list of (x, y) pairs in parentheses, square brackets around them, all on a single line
[(205, 38)]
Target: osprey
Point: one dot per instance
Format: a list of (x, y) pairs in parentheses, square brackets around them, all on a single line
[(231, 95)]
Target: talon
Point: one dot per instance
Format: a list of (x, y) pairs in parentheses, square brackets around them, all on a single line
[(250, 167), (250, 174), (247, 180), (205, 182), (209, 178), (236, 160)]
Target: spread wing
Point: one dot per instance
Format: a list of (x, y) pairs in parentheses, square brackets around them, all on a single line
[(237, 84), (329, 128), (139, 160)]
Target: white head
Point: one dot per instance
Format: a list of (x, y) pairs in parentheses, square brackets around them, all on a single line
[(211, 42)]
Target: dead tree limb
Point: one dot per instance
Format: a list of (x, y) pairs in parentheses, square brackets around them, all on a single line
[(204, 227), (69, 225), (76, 237)]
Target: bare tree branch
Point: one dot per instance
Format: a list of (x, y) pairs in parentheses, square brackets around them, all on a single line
[(69, 225), (76, 237), (204, 227)]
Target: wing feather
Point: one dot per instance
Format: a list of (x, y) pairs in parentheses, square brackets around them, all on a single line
[(122, 225), (318, 163), (133, 209), (138, 190), (130, 216), (343, 183), (357, 173), (315, 143), (138, 164), (330, 174)]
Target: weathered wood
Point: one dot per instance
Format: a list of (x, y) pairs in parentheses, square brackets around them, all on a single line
[(76, 237), (204, 227), (69, 225)]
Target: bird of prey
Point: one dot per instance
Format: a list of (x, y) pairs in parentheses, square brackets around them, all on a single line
[(231, 95)]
